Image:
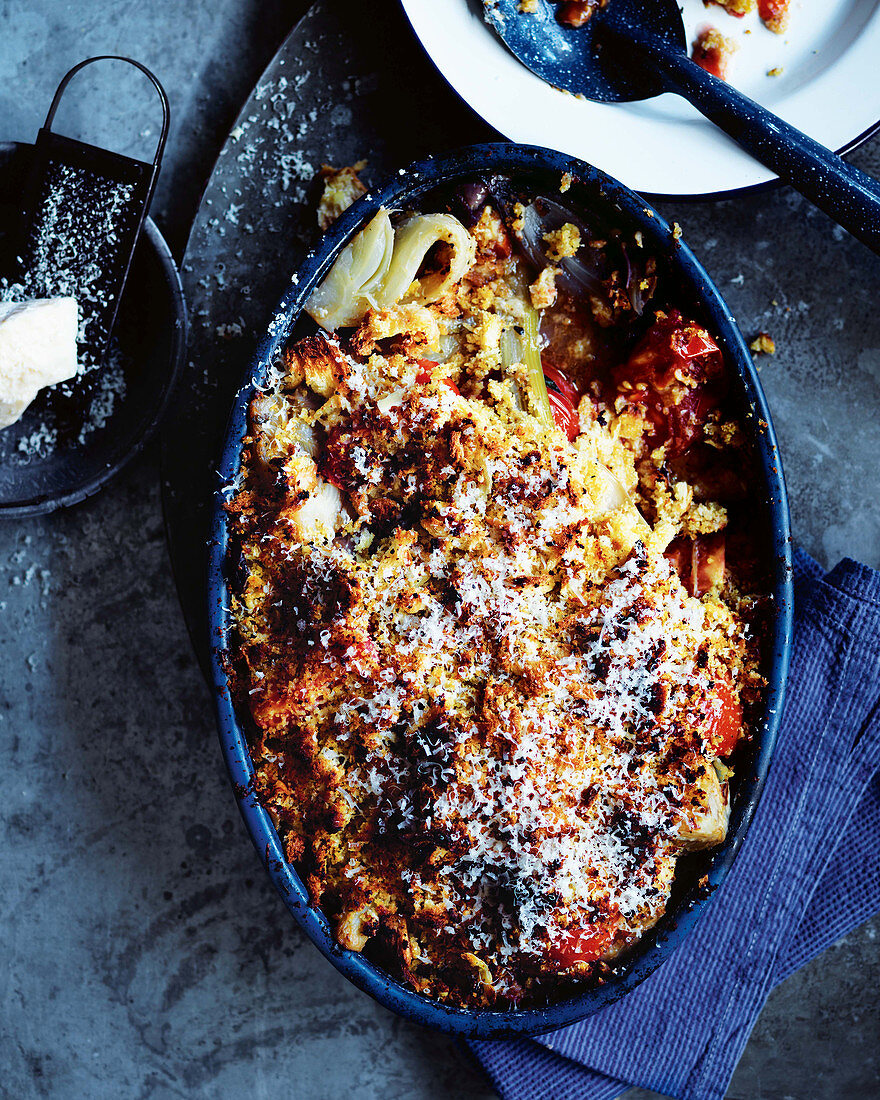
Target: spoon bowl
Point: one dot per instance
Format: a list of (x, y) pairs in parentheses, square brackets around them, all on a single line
[(587, 60)]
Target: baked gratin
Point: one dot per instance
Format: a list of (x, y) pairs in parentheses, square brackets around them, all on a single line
[(496, 596)]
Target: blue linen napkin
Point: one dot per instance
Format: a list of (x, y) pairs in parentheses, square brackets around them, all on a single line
[(807, 873)]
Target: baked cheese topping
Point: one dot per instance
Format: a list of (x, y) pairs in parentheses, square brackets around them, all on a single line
[(484, 703)]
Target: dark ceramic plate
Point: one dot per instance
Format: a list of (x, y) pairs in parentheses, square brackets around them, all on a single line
[(538, 170), (54, 457)]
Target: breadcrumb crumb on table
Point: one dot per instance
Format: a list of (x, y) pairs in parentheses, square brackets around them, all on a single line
[(565, 182), (341, 188), (763, 344)]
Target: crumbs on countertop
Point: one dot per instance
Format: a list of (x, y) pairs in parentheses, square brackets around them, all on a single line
[(763, 344), (342, 187)]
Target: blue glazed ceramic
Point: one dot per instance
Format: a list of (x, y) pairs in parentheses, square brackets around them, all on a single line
[(536, 169)]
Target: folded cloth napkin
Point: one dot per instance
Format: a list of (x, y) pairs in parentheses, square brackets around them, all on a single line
[(807, 873)]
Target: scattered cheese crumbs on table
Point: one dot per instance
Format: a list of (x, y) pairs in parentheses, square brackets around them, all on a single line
[(763, 344), (341, 188)]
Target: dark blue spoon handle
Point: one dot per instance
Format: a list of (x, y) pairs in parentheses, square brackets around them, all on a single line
[(844, 192)]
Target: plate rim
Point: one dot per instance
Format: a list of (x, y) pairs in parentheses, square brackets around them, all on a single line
[(714, 195)]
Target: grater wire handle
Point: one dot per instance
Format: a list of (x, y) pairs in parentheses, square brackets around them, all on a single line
[(66, 79)]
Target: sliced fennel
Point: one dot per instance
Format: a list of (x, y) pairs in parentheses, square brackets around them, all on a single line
[(379, 268), (521, 344), (351, 287), (412, 242)]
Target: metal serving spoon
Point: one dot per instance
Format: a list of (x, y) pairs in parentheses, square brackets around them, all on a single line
[(636, 49)]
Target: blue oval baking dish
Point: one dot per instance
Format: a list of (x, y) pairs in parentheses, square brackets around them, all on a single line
[(540, 170)]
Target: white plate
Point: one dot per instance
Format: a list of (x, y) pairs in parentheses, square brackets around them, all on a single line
[(829, 87)]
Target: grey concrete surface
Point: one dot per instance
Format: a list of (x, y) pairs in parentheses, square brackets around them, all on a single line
[(142, 951)]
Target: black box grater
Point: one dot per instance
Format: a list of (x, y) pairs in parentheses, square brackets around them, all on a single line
[(82, 215)]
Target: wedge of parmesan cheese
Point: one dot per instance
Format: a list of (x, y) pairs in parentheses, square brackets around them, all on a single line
[(37, 349)]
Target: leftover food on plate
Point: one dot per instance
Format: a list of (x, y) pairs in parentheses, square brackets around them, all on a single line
[(773, 13), (37, 349), (574, 13), (497, 595), (713, 52)]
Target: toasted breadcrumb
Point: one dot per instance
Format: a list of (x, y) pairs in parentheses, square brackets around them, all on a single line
[(763, 344), (703, 519), (713, 51), (739, 8), (543, 290), (563, 242), (565, 182), (774, 14), (341, 188)]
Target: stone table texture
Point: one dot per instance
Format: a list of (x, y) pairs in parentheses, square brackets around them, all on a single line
[(144, 953)]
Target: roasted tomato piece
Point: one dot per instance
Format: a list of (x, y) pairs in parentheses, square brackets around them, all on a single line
[(563, 395), (708, 562), (725, 721), (579, 945), (712, 51), (424, 375), (575, 13), (774, 13), (561, 382), (700, 562), (565, 415), (676, 375)]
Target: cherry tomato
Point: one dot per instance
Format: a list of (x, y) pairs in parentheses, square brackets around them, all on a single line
[(424, 375), (701, 343), (725, 721), (676, 375), (565, 416), (561, 382), (578, 945)]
